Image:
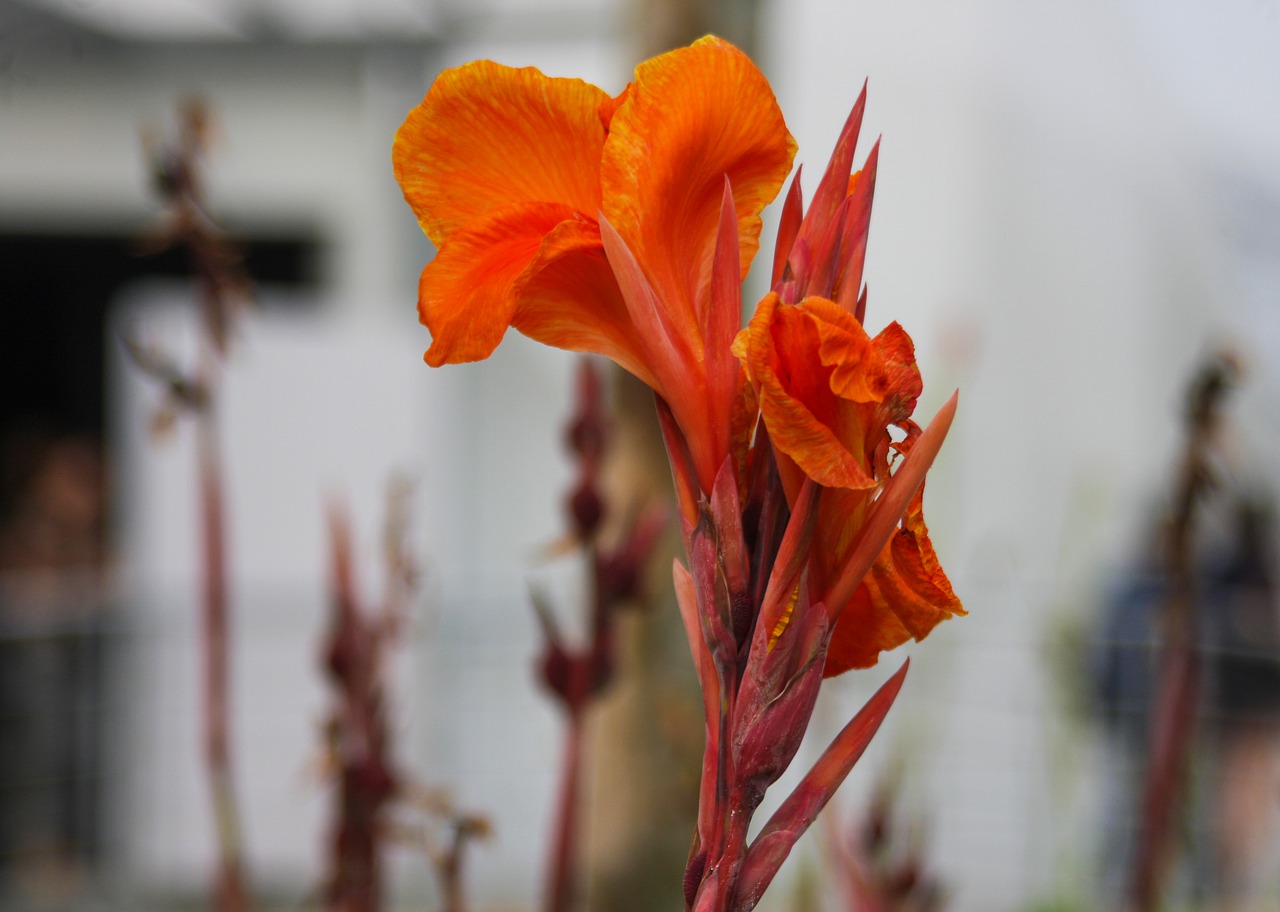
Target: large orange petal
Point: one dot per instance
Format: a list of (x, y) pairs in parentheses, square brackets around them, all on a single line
[(570, 299), (487, 136), (691, 117), (467, 295)]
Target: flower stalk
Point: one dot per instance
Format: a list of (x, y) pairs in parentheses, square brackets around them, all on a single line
[(625, 226), (223, 291)]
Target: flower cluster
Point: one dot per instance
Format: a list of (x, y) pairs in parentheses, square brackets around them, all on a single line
[(625, 226)]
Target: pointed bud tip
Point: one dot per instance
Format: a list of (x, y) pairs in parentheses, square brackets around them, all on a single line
[(948, 411)]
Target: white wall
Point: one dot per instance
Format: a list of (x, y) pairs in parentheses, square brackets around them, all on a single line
[(1049, 226), (323, 402)]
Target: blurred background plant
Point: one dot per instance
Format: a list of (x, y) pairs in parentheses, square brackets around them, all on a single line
[(223, 290), (882, 858), (575, 676), (376, 803)]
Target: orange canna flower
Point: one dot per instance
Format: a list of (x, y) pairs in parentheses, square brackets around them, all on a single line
[(829, 394), (590, 223), (624, 226)]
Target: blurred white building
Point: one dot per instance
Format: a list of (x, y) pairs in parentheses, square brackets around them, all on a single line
[(1074, 204)]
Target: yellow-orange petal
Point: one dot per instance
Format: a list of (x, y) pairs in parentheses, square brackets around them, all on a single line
[(570, 299), (691, 117), (863, 632), (467, 294), (488, 136)]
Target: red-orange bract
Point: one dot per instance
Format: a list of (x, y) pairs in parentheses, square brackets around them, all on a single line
[(624, 226)]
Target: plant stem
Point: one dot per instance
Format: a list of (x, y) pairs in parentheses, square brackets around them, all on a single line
[(230, 893), (561, 893), (1178, 685)]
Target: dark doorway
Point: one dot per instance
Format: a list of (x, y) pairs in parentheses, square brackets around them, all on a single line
[(56, 630)]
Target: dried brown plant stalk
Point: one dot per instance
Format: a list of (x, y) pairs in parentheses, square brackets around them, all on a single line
[(223, 290)]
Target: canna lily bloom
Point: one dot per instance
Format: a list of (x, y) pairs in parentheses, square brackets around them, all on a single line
[(624, 226), (829, 394), (590, 223)]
